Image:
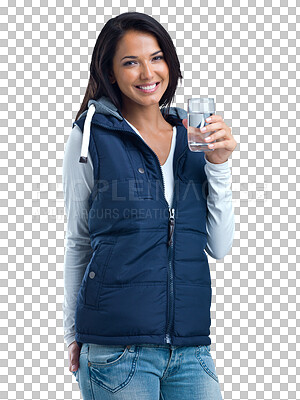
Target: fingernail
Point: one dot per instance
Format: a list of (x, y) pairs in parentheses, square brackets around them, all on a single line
[(73, 367), (203, 129), (208, 119)]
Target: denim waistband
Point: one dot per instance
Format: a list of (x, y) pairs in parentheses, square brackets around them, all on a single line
[(162, 346)]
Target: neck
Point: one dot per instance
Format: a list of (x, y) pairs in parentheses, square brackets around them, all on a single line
[(144, 117)]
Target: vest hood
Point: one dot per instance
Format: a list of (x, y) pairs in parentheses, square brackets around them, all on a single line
[(104, 106)]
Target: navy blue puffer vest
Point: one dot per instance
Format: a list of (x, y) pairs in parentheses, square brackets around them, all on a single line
[(148, 280)]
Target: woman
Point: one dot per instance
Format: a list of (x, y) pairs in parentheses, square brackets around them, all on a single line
[(141, 209)]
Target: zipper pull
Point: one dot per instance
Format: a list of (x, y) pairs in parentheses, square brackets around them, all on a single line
[(167, 338), (171, 224)]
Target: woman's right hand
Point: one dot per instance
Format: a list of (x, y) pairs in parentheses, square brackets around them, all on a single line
[(74, 352)]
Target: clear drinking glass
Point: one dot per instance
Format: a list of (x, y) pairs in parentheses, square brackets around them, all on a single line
[(198, 110)]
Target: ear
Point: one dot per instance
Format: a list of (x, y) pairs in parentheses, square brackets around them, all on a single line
[(111, 77)]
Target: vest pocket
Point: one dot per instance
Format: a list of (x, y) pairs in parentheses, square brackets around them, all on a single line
[(96, 272)]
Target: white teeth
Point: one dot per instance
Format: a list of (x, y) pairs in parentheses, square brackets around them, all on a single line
[(147, 87)]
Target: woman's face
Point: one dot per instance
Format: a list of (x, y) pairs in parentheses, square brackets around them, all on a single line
[(135, 64)]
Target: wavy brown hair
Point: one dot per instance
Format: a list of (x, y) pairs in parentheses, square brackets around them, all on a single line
[(102, 58)]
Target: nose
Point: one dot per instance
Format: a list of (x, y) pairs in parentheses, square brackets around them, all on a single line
[(146, 71)]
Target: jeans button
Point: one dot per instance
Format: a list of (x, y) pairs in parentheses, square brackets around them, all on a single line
[(92, 274), (141, 170)]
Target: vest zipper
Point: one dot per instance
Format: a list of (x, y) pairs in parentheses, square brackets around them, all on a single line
[(171, 225), (170, 323), (171, 284)]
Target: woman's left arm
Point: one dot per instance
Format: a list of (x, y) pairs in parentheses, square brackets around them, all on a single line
[(220, 219), (220, 222)]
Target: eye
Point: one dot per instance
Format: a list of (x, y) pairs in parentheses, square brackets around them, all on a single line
[(158, 57), (127, 63)]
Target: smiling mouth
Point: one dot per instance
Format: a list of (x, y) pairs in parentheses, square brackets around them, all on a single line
[(153, 88)]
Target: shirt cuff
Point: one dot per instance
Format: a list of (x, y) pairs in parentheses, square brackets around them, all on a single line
[(69, 339), (217, 167)]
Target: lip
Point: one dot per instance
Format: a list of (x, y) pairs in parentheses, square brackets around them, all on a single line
[(149, 84)]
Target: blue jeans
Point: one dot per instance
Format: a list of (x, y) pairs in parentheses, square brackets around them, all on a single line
[(147, 372)]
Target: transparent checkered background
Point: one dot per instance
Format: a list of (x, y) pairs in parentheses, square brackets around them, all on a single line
[(247, 57)]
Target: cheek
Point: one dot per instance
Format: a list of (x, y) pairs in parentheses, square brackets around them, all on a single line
[(126, 76), (129, 77), (165, 71)]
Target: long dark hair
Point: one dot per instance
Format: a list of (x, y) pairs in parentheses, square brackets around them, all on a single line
[(102, 58)]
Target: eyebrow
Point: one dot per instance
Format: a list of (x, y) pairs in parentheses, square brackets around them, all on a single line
[(153, 54)]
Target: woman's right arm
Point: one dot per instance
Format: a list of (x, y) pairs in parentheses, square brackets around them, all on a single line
[(78, 181)]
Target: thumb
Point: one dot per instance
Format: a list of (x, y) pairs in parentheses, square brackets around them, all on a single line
[(184, 122)]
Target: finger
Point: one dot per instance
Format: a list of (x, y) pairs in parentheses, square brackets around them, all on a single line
[(214, 118), (73, 366), (207, 128), (212, 127), (217, 135), (74, 361), (219, 145)]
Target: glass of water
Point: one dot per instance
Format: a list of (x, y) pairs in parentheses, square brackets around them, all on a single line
[(198, 110)]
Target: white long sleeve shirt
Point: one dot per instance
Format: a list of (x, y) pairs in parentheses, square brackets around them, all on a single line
[(78, 182)]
